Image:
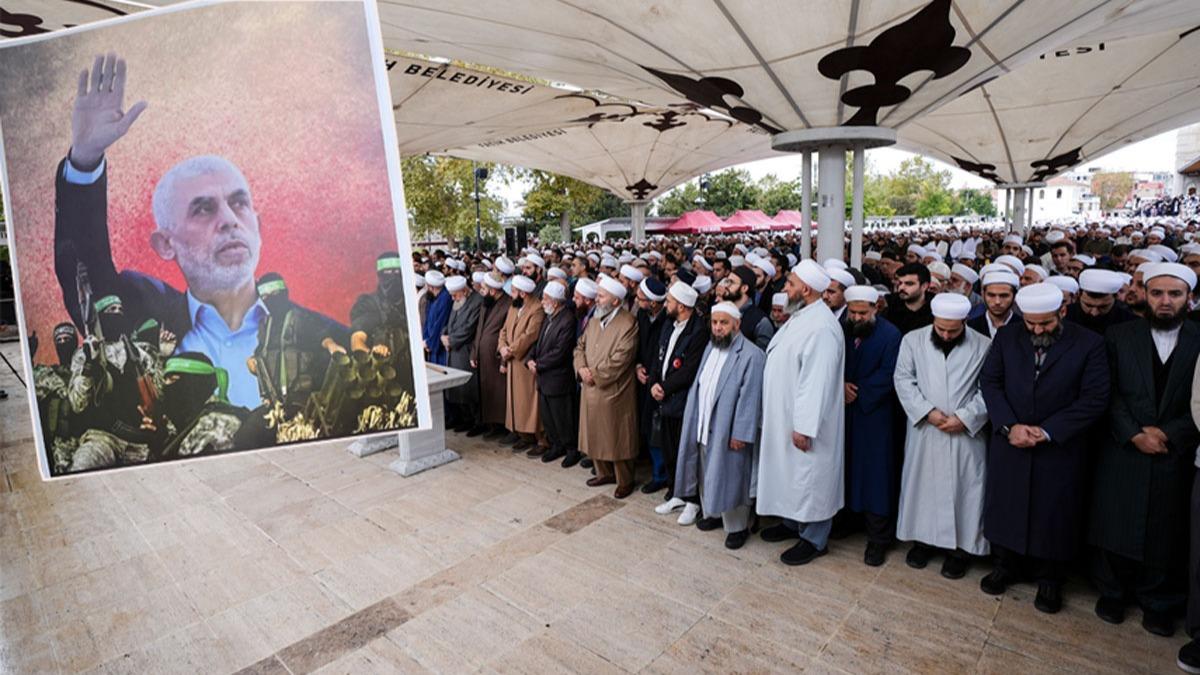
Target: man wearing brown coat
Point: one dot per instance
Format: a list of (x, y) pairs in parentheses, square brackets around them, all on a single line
[(605, 361), (485, 357), (517, 337)]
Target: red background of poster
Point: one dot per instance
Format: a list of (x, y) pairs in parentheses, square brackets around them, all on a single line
[(284, 90)]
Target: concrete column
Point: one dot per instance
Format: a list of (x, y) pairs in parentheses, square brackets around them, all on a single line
[(856, 211), (806, 207), (637, 224), (1029, 216), (831, 204), (1018, 213)]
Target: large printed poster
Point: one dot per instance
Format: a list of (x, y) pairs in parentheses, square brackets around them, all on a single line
[(208, 231)]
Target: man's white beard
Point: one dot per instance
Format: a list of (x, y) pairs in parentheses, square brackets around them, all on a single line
[(602, 310), (205, 276)]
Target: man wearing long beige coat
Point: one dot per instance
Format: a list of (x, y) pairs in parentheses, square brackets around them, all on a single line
[(520, 332), (605, 362)]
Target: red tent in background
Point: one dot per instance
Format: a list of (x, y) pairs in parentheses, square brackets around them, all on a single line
[(790, 219), (696, 222), (746, 220)]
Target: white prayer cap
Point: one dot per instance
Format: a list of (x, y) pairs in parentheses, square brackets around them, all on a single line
[(1157, 232), (841, 276), (586, 287), (722, 255), (813, 275), (1027, 251), (493, 280), (939, 269), (651, 295), (1065, 283), (1000, 277), (607, 249), (1055, 236), (556, 273), (1105, 282), (1169, 269), (1166, 253), (1041, 298), (1012, 261), (632, 273), (625, 257), (740, 247), (556, 290), (505, 265), (736, 261), (917, 249), (456, 283), (862, 294), (969, 275), (761, 252), (1038, 270), (765, 265), (1014, 239), (523, 283), (612, 286), (779, 300), (1144, 267), (703, 262), (683, 293), (655, 254), (1087, 260), (792, 259), (477, 277), (950, 306), (835, 264), (609, 261), (435, 278), (420, 282), (521, 261), (1189, 249), (873, 255), (594, 257), (1145, 254), (702, 284), (727, 308)]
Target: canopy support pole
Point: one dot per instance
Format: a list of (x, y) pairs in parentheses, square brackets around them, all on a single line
[(1018, 216), (1029, 215), (806, 207), (856, 211), (637, 222), (831, 207)]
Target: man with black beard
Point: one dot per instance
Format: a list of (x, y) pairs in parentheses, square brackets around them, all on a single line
[(195, 417), (462, 402), (111, 379), (738, 290), (50, 385), (1097, 308), (908, 306), (1144, 471), (1045, 382)]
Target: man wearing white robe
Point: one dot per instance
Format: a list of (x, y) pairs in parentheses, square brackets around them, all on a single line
[(945, 455), (800, 466)]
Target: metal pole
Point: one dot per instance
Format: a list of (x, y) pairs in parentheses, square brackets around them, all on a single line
[(806, 207), (831, 209), (478, 227), (1029, 217), (856, 210)]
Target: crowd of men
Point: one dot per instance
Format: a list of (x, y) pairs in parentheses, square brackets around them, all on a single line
[(1031, 401)]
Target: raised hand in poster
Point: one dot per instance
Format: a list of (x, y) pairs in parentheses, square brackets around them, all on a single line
[(99, 118)]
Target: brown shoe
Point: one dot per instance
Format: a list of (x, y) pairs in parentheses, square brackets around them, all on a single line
[(601, 480), (623, 491), (537, 451)]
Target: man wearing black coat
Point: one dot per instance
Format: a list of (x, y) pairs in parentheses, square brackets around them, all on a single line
[(1045, 382), (1139, 511), (551, 358), (650, 319)]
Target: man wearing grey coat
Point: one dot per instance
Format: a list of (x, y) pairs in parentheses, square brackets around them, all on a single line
[(462, 402), (718, 448)]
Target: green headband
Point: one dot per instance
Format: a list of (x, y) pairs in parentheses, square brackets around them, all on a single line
[(106, 302), (273, 286), (149, 324), (185, 366), (388, 264)]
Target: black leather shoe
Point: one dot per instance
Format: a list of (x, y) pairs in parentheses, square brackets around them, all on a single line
[(573, 457), (494, 432), (955, 566), (476, 431), (509, 439), (587, 463), (1111, 610), (779, 532), (557, 453), (736, 540), (653, 486), (802, 553), (537, 451), (919, 556), (709, 524), (523, 445), (1189, 657), (996, 582), (876, 554), (1049, 597), (1158, 623)]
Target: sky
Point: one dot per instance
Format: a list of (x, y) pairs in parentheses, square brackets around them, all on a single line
[(1153, 154)]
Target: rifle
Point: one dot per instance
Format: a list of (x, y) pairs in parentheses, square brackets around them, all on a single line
[(147, 392)]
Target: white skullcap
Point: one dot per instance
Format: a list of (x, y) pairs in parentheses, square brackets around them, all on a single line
[(612, 286), (812, 275), (841, 276), (1157, 231), (1038, 270), (1106, 282), (655, 254), (740, 247), (456, 283), (1000, 277), (1136, 235), (1170, 269), (505, 265), (493, 280), (487, 263), (1055, 236), (586, 287), (862, 294), (703, 262), (736, 261), (609, 261), (435, 278), (607, 249), (792, 259), (1013, 262), (765, 265), (523, 283), (917, 249), (939, 268), (722, 255), (645, 288), (477, 277), (1087, 260), (556, 290), (702, 284), (727, 308), (1041, 298), (950, 306), (1064, 283), (1167, 254), (632, 273), (625, 257), (779, 300), (1189, 249), (1014, 239), (1145, 254), (761, 252), (556, 273), (873, 255), (835, 263), (683, 293), (420, 281), (1027, 251), (969, 275)]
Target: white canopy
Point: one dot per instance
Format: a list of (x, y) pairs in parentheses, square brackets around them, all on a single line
[(34, 17)]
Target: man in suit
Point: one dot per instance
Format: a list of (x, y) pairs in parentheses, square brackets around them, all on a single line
[(1045, 382), (462, 402), (999, 289), (1139, 510), (651, 294), (552, 360)]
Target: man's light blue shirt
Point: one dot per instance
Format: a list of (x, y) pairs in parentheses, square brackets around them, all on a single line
[(227, 349)]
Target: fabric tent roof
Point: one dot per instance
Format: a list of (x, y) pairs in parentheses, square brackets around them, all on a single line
[(750, 218), (34, 17), (792, 219), (1076, 104), (699, 222)]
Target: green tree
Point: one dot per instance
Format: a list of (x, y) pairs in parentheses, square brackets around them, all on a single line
[(775, 195), (728, 191), (976, 202), (440, 195), (1113, 189), (684, 198), (558, 200)]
